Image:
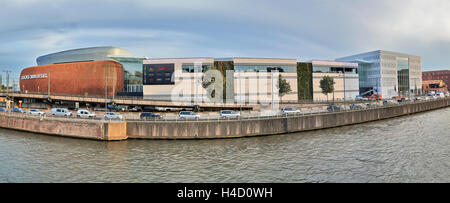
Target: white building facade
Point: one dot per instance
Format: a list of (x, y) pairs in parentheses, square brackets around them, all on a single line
[(388, 73), (345, 77)]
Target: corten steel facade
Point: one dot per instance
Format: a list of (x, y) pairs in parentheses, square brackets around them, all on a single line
[(78, 78), (443, 75), (131, 65)]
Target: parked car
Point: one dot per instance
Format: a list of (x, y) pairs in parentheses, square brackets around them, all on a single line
[(289, 110), (227, 114), (136, 109), (36, 112), (83, 113), (334, 108), (3, 109), (112, 115), (356, 106), (360, 98), (440, 95), (389, 102), (17, 110), (150, 115), (61, 112), (373, 104), (188, 115)]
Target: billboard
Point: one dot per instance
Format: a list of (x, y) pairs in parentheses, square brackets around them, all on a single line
[(158, 74)]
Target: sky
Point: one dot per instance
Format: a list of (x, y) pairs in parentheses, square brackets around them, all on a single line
[(304, 30)]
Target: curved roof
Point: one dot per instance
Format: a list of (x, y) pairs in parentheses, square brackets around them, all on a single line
[(83, 54)]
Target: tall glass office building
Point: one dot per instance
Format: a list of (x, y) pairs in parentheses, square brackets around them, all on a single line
[(388, 73)]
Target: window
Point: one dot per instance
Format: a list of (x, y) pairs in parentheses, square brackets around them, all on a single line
[(191, 68)]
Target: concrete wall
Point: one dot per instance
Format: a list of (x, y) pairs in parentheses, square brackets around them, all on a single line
[(244, 128), (98, 130), (77, 128)]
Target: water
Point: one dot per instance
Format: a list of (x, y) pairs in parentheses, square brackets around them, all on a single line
[(406, 149)]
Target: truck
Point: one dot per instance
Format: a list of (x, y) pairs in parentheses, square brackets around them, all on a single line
[(372, 97)]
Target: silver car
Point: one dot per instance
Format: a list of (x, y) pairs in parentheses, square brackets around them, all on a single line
[(61, 112), (36, 112), (83, 113), (112, 115), (186, 115), (227, 114), (289, 110)]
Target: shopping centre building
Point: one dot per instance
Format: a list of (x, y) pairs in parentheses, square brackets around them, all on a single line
[(116, 71)]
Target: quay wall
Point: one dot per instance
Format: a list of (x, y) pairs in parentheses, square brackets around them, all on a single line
[(272, 126), (203, 129), (77, 128)]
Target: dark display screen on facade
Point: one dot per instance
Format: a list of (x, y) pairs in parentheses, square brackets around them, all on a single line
[(158, 74)]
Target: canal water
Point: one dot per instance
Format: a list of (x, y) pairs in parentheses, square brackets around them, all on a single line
[(413, 148)]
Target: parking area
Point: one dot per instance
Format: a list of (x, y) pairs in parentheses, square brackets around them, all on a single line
[(283, 110)]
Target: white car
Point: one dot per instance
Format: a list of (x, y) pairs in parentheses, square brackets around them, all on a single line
[(61, 112), (289, 110), (185, 115), (36, 112), (83, 113), (112, 115), (227, 114)]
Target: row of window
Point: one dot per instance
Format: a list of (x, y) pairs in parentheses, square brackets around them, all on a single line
[(265, 68), (322, 69), (192, 68)]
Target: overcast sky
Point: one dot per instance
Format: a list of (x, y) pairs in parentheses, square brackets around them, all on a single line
[(305, 30)]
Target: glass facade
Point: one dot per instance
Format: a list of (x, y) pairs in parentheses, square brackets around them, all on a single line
[(266, 68), (403, 76), (363, 76), (132, 72)]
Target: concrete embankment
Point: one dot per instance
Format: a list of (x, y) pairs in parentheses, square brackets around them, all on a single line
[(100, 130), (272, 126), (78, 128)]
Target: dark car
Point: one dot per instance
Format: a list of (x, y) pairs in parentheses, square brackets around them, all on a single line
[(150, 116), (333, 108)]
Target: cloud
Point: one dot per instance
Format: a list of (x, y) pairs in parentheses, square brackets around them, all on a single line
[(320, 29)]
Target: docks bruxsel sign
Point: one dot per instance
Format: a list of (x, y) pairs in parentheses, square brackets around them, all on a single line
[(37, 76)]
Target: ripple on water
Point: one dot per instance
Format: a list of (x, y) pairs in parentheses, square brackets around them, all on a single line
[(405, 149)]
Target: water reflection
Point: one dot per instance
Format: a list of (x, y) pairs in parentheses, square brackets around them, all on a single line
[(405, 149)]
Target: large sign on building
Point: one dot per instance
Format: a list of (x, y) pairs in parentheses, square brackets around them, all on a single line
[(158, 74), (36, 76)]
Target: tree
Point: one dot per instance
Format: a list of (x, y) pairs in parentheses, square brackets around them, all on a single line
[(284, 86), (327, 85)]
